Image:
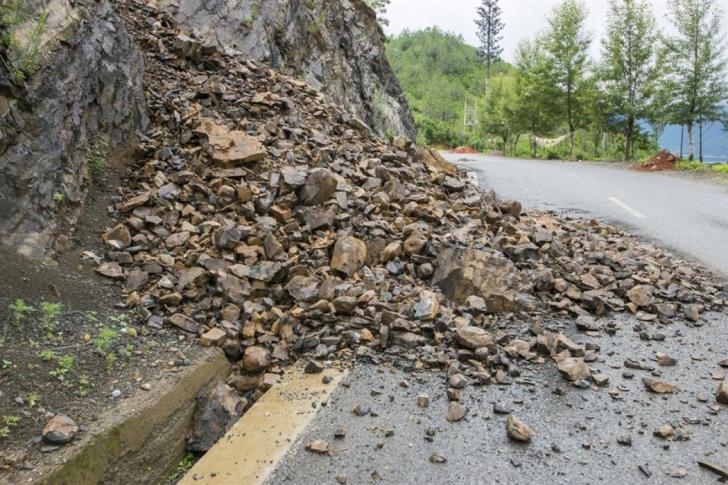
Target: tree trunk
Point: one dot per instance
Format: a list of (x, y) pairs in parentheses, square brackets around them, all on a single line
[(571, 141), (682, 136), (487, 77), (629, 139), (700, 141), (515, 145), (534, 145), (691, 141)]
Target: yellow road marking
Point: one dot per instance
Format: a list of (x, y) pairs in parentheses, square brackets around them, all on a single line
[(251, 450)]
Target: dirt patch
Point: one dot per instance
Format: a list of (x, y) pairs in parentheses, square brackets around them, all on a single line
[(465, 150), (661, 162), (66, 346)]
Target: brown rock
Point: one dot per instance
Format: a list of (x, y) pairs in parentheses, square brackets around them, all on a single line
[(641, 295), (461, 273), (349, 255), (319, 187), (320, 447), (722, 396), (230, 146), (456, 411), (118, 237), (60, 430), (474, 338), (659, 387), (213, 338), (184, 322), (517, 430), (256, 359), (574, 369), (111, 270)]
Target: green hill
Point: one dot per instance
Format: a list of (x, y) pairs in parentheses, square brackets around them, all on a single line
[(438, 72)]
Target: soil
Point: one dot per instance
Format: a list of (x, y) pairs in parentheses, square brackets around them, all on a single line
[(661, 162), (72, 350), (465, 150)]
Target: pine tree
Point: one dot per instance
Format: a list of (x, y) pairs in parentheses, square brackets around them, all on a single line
[(490, 27), (628, 64), (697, 63)]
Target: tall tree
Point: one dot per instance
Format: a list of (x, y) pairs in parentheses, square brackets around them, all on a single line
[(490, 27), (567, 44), (537, 99), (628, 64), (380, 8), (696, 54)]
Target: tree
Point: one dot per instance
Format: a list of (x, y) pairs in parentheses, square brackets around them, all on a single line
[(490, 26), (697, 64), (501, 116), (537, 98), (380, 8), (567, 44), (628, 64)]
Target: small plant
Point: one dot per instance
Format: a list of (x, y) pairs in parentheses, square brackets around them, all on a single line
[(83, 385), (32, 399), (49, 319), (58, 197), (63, 367), (110, 361), (46, 355), (126, 351), (96, 155), (8, 423), (6, 364), (104, 339), (20, 310)]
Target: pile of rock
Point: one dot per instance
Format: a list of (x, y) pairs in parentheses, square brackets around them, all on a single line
[(268, 222)]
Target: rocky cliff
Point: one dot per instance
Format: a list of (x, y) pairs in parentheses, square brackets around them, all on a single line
[(79, 98), (335, 46)]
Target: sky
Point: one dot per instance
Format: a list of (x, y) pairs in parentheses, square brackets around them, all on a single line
[(523, 18)]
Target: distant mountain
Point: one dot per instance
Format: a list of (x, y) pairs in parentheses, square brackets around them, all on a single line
[(715, 142)]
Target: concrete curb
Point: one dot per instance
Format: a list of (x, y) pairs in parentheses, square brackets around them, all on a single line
[(252, 449), (141, 439)]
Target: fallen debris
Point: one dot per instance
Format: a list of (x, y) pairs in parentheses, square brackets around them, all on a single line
[(517, 430)]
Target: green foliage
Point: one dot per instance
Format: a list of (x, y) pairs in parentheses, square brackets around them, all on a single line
[(96, 154), (439, 72), (24, 59), (380, 8), (49, 316), (20, 310), (64, 364), (695, 65), (6, 364), (104, 339), (567, 45), (32, 399), (8, 423), (47, 355)]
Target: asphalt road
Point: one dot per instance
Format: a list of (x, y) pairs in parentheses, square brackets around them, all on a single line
[(577, 430), (687, 216)]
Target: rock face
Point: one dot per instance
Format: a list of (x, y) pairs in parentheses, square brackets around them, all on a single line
[(333, 46), (85, 96), (461, 273)]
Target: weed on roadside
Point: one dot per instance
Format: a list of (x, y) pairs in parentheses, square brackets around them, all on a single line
[(7, 425), (50, 312), (20, 310)]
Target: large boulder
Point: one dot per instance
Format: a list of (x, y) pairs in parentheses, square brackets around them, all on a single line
[(486, 273), (334, 46), (81, 95)]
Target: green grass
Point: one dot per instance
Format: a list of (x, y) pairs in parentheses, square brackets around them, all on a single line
[(696, 166)]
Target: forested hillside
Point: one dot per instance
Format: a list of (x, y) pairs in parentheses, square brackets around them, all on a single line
[(439, 72)]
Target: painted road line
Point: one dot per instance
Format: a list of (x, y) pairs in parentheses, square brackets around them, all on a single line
[(627, 208), (252, 449)]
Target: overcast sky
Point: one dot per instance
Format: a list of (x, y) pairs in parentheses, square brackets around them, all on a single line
[(523, 18)]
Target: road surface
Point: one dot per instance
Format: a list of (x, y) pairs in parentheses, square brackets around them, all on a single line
[(687, 216), (578, 431)]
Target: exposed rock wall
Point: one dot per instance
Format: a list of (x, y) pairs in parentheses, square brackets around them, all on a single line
[(335, 46), (85, 95)]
